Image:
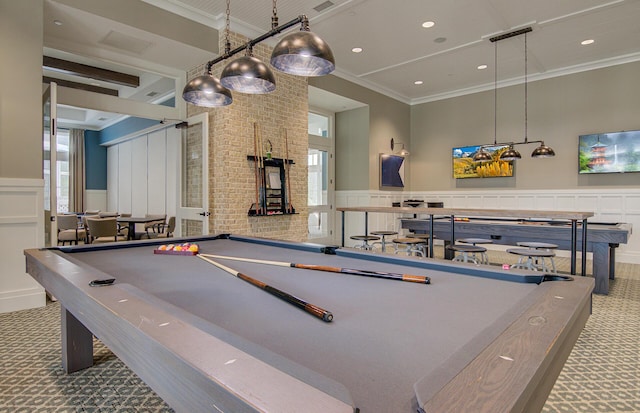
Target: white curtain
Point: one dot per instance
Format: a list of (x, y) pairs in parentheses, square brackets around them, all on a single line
[(76, 170)]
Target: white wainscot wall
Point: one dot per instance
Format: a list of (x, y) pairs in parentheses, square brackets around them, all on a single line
[(608, 205), (21, 227)]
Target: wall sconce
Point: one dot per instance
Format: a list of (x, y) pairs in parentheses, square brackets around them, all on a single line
[(403, 151)]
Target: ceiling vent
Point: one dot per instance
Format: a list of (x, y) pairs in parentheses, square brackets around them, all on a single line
[(323, 6)]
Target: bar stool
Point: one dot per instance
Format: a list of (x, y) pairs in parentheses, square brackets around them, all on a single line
[(484, 258), (411, 245), (541, 246), (468, 253), (535, 259), (383, 241), (425, 239), (364, 239)]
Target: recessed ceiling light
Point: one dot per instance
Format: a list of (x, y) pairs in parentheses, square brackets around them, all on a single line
[(57, 22), (440, 39), (428, 24), (418, 82), (586, 42), (357, 50), (482, 67)]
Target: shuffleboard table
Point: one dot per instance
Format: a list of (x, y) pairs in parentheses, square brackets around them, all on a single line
[(476, 339), (602, 238)]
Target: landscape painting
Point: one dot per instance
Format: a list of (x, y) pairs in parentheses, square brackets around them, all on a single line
[(465, 167)]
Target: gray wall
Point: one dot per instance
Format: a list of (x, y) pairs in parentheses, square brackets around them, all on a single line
[(560, 109), (21, 88), (352, 149), (388, 118)]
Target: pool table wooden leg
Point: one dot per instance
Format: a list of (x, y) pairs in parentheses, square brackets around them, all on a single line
[(77, 343), (601, 267)]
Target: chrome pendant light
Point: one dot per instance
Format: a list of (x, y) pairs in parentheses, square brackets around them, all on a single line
[(510, 154), (303, 53), (543, 151), (206, 91), (248, 74)]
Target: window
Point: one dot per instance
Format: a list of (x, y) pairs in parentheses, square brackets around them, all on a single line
[(62, 170)]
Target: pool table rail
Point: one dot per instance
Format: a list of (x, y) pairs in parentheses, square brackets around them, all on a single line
[(192, 370)]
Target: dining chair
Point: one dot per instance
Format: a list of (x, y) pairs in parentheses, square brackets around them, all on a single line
[(69, 229), (103, 230)]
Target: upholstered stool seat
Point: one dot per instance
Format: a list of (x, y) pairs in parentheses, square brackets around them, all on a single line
[(383, 240), (484, 258), (533, 259), (409, 245), (469, 253), (364, 241)]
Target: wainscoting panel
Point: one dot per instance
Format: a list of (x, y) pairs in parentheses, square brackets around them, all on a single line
[(21, 227), (608, 205)]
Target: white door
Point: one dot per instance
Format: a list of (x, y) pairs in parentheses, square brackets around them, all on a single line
[(321, 165), (192, 214), (50, 164)]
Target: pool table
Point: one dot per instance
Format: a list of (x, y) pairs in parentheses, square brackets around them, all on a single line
[(475, 339)]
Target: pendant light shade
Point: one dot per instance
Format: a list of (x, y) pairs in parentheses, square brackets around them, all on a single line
[(206, 91), (510, 154), (543, 151), (248, 75), (303, 53), (482, 156)]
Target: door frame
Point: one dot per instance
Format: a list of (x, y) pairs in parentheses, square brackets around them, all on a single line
[(194, 213), (50, 98), (326, 144)]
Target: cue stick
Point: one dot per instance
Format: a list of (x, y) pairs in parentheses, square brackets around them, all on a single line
[(422, 279), (287, 170), (312, 309), (263, 174), (255, 161)]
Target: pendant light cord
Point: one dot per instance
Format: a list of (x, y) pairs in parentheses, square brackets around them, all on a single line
[(274, 17), (526, 111), (495, 94), (227, 44)]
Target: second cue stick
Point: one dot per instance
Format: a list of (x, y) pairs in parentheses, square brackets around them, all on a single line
[(255, 164), (421, 279), (287, 171), (312, 309)]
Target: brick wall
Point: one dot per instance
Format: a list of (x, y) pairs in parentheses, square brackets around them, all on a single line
[(231, 131)]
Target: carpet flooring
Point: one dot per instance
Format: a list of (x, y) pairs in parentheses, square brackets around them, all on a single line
[(602, 373)]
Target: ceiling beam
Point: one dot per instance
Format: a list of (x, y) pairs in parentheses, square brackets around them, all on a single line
[(81, 86), (91, 72)]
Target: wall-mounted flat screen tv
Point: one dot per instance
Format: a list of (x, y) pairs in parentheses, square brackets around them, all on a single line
[(465, 167), (613, 152)]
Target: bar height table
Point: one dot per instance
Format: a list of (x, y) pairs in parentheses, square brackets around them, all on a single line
[(572, 216)]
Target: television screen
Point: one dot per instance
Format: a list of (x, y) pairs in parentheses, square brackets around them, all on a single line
[(465, 167), (609, 152)]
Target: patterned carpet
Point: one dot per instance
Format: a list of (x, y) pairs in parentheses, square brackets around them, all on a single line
[(601, 375)]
